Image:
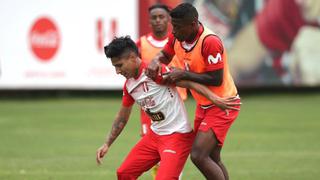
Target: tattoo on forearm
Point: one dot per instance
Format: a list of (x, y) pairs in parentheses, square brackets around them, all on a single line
[(116, 130), (117, 127)]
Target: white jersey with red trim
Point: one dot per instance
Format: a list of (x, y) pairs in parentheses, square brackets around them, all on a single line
[(162, 103)]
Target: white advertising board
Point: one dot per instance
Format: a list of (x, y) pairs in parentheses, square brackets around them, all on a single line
[(59, 44)]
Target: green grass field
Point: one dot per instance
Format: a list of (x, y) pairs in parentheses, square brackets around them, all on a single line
[(276, 137)]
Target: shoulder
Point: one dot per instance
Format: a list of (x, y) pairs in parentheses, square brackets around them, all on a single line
[(212, 39), (212, 42)]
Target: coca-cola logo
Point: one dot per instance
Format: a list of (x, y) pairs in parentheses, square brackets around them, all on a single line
[(44, 38)]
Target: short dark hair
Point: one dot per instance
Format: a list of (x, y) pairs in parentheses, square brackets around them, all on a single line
[(118, 46), (184, 11), (161, 6)]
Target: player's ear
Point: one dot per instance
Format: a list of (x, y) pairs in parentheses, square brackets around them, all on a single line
[(132, 56)]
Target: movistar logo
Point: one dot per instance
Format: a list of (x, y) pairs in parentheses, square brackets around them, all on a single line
[(214, 60)]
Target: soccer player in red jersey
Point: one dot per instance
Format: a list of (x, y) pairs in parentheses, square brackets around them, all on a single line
[(170, 139), (205, 61)]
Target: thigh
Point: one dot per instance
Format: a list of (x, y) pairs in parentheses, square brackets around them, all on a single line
[(199, 116), (218, 122), (204, 143), (141, 158), (174, 152)]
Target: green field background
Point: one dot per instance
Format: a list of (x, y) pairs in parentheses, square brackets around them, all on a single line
[(276, 137)]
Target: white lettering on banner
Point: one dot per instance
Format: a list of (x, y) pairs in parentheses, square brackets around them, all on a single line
[(44, 40), (214, 60)]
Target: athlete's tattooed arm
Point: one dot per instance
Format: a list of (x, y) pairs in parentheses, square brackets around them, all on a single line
[(118, 124)]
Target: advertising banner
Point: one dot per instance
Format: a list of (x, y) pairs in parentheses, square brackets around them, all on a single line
[(59, 44)]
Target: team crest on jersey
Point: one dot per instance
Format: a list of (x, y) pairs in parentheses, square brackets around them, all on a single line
[(147, 102), (214, 60), (186, 59)]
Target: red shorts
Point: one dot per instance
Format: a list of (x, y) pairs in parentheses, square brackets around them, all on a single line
[(145, 122), (216, 119), (170, 150)]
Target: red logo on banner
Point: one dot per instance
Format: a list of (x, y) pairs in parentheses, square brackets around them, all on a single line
[(44, 38), (100, 34), (113, 30)]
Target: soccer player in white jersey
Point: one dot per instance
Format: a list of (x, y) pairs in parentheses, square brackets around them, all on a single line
[(170, 139)]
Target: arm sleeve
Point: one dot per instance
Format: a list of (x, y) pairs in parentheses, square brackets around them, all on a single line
[(164, 69), (212, 51), (127, 99)]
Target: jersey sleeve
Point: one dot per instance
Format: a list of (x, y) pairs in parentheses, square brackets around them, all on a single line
[(127, 99), (164, 70), (169, 47), (212, 51)]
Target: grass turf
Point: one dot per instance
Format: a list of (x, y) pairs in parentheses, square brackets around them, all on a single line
[(275, 137)]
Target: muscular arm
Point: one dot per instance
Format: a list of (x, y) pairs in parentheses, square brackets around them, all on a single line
[(213, 78), (201, 89), (164, 57), (222, 103), (155, 65), (161, 57)]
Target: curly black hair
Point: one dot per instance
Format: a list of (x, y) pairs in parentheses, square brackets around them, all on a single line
[(119, 46)]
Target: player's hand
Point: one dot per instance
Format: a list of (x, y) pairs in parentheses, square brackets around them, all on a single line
[(174, 75), (153, 69), (227, 103), (101, 152)]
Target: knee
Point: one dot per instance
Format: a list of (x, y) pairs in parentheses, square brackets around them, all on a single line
[(122, 174), (197, 157), (127, 173)]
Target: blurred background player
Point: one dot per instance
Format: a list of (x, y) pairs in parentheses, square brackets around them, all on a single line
[(149, 45)]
